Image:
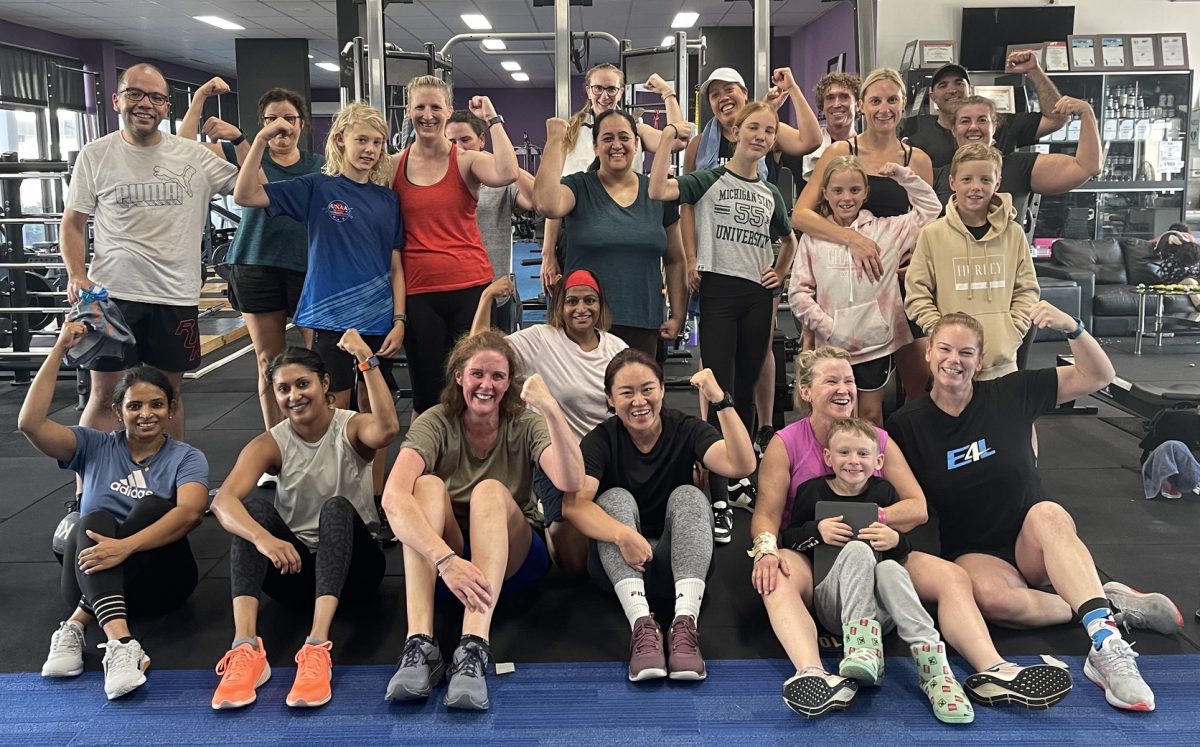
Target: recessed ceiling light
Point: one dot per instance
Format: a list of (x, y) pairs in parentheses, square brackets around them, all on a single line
[(522, 77), (220, 23), (476, 21), (511, 65), (494, 44), (668, 41), (685, 20), (332, 67)]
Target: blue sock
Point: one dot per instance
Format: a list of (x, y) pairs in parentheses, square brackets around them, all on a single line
[(1100, 625)]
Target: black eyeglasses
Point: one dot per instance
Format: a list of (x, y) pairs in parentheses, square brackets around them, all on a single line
[(289, 118), (137, 94), (599, 90)]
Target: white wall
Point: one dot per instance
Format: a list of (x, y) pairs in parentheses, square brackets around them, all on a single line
[(901, 21)]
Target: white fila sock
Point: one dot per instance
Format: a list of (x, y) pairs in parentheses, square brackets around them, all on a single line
[(689, 592), (632, 594)]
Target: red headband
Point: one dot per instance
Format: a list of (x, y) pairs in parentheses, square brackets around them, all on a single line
[(582, 277)]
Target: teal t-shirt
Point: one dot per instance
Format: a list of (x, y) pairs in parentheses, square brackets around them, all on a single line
[(622, 246), (273, 241)]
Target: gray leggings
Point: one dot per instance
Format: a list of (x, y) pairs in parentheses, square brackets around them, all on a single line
[(859, 587), (687, 540)]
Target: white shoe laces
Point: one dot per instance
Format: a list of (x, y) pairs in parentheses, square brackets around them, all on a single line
[(66, 640)]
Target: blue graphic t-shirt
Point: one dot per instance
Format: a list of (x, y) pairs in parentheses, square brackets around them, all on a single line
[(113, 482), (352, 230)]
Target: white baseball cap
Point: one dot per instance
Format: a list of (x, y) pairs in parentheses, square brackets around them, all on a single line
[(722, 75)]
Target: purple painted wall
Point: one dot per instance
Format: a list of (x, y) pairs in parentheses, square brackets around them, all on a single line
[(826, 37)]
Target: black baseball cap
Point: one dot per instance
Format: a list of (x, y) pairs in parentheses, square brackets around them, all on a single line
[(950, 69)]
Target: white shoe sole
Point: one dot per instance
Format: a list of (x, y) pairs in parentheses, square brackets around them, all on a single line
[(60, 673), (131, 686), (1113, 700), (651, 673), (227, 704)]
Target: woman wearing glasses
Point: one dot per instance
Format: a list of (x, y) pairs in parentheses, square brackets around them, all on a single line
[(268, 256), (604, 87)]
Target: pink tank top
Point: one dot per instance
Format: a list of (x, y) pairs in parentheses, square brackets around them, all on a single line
[(807, 458)]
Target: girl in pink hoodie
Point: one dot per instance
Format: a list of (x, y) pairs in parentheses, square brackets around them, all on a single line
[(845, 308)]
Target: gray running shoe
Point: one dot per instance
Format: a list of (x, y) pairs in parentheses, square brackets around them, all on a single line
[(66, 651), (468, 686), (814, 692), (420, 669), (1114, 670), (646, 658), (683, 640), (1134, 609), (125, 667)]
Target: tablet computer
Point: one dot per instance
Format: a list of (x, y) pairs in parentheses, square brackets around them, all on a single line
[(858, 515)]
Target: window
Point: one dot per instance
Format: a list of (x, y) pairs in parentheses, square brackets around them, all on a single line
[(21, 130)]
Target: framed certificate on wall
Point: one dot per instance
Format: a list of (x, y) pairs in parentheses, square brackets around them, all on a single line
[(1172, 51), (1141, 52), (1114, 52), (1083, 52)]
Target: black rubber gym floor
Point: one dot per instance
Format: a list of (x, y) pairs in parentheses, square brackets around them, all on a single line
[(1087, 464)]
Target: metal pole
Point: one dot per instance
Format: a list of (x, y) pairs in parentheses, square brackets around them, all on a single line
[(529, 36), (562, 58), (375, 54), (762, 48), (682, 91), (864, 24)]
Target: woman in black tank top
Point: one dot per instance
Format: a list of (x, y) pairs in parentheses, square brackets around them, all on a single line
[(885, 197)]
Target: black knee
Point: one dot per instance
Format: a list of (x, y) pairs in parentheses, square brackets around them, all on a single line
[(338, 510), (100, 522)]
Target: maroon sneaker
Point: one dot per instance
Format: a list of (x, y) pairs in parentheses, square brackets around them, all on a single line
[(646, 660), (685, 661)]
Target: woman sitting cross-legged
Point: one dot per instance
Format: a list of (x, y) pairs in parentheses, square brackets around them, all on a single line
[(639, 490), (143, 491), (460, 498), (317, 539)]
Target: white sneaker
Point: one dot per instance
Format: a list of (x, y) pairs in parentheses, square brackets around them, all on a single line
[(66, 651), (1114, 670), (268, 480), (125, 667)]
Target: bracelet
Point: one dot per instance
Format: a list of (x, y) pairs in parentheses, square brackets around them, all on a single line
[(241, 138), (445, 558), (666, 96), (764, 544), (399, 318), (881, 515)]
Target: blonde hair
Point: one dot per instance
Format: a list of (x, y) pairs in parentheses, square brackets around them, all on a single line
[(355, 115), (881, 74), (578, 118), (854, 427), (958, 319), (806, 364), (430, 81), (976, 152), (837, 166)]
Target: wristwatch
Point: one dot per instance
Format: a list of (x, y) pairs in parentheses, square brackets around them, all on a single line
[(727, 401), (495, 120), (1079, 330), (399, 318), (369, 363), (241, 138)]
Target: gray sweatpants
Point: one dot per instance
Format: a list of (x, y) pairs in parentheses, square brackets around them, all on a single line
[(859, 587), (687, 541)]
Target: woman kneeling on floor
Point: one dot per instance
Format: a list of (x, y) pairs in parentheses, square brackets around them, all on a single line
[(639, 490), (317, 539), (143, 491), (460, 498)]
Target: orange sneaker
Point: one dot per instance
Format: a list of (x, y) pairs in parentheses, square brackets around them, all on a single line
[(313, 672), (242, 670)]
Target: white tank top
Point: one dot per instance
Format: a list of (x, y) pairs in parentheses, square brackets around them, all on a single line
[(315, 472)]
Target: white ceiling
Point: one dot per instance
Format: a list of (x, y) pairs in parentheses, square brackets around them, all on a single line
[(165, 29)]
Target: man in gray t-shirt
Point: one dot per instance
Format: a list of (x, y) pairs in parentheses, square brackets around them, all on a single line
[(146, 193)]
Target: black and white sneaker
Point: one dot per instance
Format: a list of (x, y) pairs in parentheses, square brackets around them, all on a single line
[(742, 495), (814, 692), (761, 439), (1037, 687), (722, 523)]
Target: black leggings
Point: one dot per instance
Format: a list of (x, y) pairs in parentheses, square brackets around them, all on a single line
[(348, 563), (435, 321), (148, 582)]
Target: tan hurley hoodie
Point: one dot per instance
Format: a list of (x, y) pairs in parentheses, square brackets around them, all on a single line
[(991, 279)]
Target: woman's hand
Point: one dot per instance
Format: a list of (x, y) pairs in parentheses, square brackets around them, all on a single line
[(894, 171), (866, 257), (556, 128), (536, 394), (765, 574), (880, 536), (216, 129), (635, 550), (278, 127), (106, 553), (70, 335), (281, 553), (1045, 315), (704, 381), (353, 343), (834, 531), (501, 287), (481, 106), (669, 329), (467, 582), (770, 279), (693, 279), (776, 97)]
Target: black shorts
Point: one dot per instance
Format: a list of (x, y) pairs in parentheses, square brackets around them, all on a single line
[(872, 375), (258, 289), (548, 495), (342, 366), (168, 337), (1008, 554)]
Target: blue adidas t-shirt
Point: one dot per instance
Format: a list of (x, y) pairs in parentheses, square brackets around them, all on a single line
[(352, 230), (112, 481)]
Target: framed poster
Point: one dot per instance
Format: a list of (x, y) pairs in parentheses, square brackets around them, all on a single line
[(1141, 52), (1001, 96), (1173, 51), (936, 53), (836, 64), (910, 53), (1055, 58), (1083, 52), (1114, 52)]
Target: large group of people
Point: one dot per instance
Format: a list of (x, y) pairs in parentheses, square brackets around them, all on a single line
[(550, 445)]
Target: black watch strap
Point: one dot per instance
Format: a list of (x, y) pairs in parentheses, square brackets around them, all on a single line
[(241, 138), (727, 401), (1079, 330), (495, 120)]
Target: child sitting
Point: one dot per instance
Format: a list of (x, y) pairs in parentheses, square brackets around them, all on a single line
[(866, 596)]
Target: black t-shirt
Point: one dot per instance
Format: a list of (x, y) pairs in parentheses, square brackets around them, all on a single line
[(978, 232), (1016, 178), (923, 131), (610, 456), (801, 534), (977, 469)]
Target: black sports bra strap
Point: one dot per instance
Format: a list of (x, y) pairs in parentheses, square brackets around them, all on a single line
[(854, 145), (907, 151)]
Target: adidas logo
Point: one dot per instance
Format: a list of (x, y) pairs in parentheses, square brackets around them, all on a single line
[(132, 485)]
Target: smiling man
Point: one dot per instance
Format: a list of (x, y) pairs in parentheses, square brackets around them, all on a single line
[(837, 99), (147, 194)]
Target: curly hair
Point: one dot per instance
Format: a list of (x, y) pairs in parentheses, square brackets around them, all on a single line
[(452, 399), (849, 81), (355, 115)]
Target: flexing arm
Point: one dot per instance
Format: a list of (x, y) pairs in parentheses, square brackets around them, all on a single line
[(248, 191), (733, 455), (805, 137), (524, 190), (215, 128), (1092, 369), (911, 510), (553, 198), (375, 429), (1058, 173), (501, 287), (662, 187), (498, 168), (651, 137), (1026, 61), (53, 439), (561, 460)]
